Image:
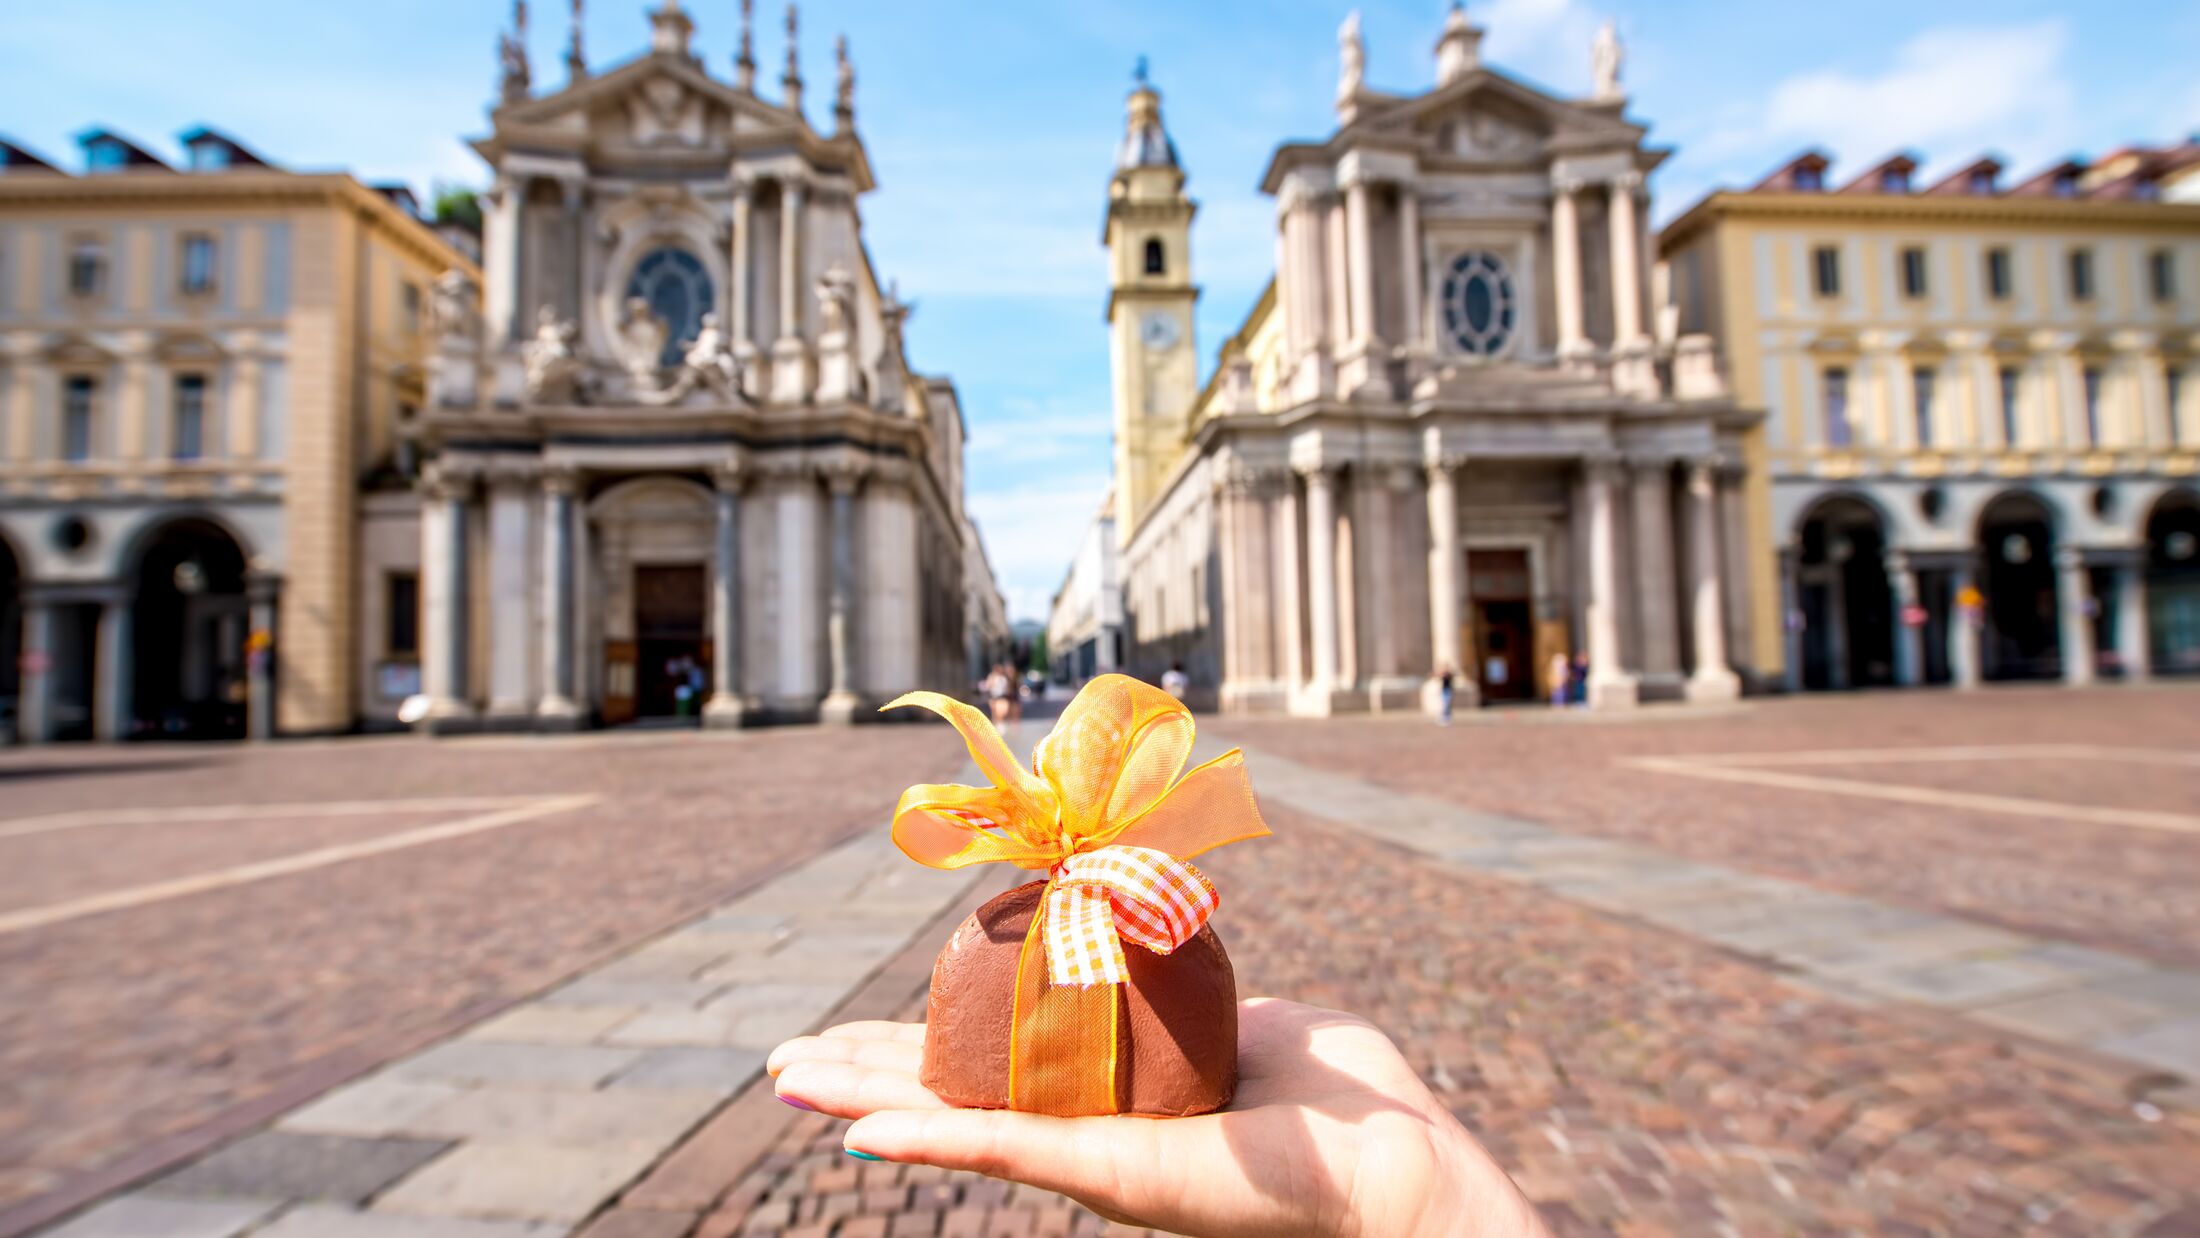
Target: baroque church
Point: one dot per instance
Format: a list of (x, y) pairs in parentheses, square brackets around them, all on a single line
[(1450, 433), (677, 459)]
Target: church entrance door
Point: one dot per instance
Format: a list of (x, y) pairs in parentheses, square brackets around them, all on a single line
[(1499, 585), (672, 661)]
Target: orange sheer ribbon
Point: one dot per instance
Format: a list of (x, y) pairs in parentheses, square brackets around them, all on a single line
[(1105, 777)]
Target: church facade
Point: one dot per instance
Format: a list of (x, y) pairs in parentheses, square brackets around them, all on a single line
[(1447, 434), (676, 461)]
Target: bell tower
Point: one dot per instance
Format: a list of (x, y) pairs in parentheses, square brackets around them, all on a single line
[(1150, 302)]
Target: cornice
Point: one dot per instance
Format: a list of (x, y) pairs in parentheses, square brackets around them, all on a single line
[(1836, 209)]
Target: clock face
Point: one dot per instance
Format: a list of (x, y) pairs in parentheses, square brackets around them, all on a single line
[(1158, 330)]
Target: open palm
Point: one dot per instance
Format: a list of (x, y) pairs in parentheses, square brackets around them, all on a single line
[(1330, 1133)]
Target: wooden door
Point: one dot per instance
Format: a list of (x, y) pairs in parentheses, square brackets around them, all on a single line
[(619, 701)]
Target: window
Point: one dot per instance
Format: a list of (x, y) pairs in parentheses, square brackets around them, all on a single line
[(1837, 407), (1997, 273), (2162, 275), (2010, 436), (678, 290), (1826, 265), (1479, 304), (87, 269), (2093, 405), (2081, 274), (2066, 184), (1921, 391), (1157, 257), (408, 300), (1894, 180), (105, 155), (198, 264), (190, 441), (1808, 180), (209, 156), (401, 622), (1982, 181), (1913, 272), (78, 395)]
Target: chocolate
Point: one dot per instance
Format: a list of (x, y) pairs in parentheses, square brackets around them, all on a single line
[(1179, 1017)]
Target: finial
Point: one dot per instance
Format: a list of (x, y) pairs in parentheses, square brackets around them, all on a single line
[(1459, 48), (576, 64), (513, 78), (844, 100), (1138, 74), (1605, 58), (1351, 61), (669, 29), (744, 65), (790, 82)]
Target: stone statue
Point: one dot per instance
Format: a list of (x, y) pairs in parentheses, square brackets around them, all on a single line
[(1605, 58), (844, 94), (836, 297), (512, 56), (711, 362), (454, 314), (1351, 58), (643, 335), (552, 359)]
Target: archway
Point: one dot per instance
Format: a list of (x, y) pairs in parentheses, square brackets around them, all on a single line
[(1841, 587), (188, 621), (2023, 637), (11, 639), (2173, 583), (651, 542)]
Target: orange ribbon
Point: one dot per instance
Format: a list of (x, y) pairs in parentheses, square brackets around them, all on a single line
[(1103, 812)]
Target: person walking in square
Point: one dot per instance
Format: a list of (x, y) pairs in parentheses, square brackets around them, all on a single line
[(1446, 691), (1560, 674)]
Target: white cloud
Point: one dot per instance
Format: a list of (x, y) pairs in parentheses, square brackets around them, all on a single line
[(1032, 531), (1951, 93)]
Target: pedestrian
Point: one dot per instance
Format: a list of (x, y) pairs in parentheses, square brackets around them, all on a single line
[(1579, 682), (1446, 691), (996, 693), (1560, 671), (1175, 682)]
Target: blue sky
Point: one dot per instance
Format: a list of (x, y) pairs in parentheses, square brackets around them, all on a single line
[(991, 126)]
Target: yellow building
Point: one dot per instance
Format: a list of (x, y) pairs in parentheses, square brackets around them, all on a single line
[(1983, 414), (198, 366)]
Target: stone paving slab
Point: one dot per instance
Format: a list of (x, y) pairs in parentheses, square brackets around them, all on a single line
[(524, 1180), (154, 1216), (1858, 949), (296, 1165), (318, 1221)]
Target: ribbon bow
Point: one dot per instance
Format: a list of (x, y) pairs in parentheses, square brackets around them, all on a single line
[(1102, 810)]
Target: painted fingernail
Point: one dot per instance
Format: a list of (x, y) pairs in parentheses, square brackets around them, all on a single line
[(797, 1104), (862, 1156)]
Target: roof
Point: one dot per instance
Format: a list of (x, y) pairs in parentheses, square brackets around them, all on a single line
[(1790, 176), (1889, 175), (1146, 141), (15, 158), (133, 155), (1966, 179), (234, 154)]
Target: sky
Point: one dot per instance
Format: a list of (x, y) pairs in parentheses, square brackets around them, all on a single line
[(992, 126)]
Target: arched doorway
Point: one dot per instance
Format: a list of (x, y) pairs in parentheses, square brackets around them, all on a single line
[(650, 543), (1841, 588), (2173, 583), (188, 621), (2023, 637), (11, 640)]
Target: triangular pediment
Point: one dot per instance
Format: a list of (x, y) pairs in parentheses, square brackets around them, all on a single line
[(1487, 115), (659, 84)]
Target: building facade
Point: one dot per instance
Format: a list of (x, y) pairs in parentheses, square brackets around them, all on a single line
[(678, 461), (1085, 622), (197, 365), (1445, 436), (1984, 414)]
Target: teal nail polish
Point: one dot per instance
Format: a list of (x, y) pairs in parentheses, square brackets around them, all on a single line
[(862, 1156)]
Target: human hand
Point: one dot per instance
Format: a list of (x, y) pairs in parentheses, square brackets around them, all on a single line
[(1330, 1133)]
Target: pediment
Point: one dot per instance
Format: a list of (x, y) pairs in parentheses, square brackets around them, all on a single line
[(658, 100), (1487, 115)]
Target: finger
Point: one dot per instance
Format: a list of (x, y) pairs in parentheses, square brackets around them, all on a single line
[(877, 1029), (845, 1090), (882, 1054)]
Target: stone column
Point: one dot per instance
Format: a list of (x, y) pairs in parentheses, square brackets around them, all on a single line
[(1791, 601), (2056, 355), (444, 578), (1713, 678), (2141, 362), (1359, 230), (1964, 625), (1285, 544), (726, 709), (791, 354), (1443, 582), (241, 428), (1336, 248), (2131, 619), (1837, 627), (1657, 621), (794, 526), (560, 707), (132, 402), (1974, 390), (1321, 582), (1409, 234), (1736, 567), (1229, 501), (575, 292), (1626, 235), (841, 704), (1610, 685), (34, 707), (1573, 339), (264, 594), (500, 262), (111, 671), (1909, 643), (2073, 596), (510, 619)]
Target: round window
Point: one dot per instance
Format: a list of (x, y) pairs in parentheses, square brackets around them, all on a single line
[(677, 287), (1479, 306)]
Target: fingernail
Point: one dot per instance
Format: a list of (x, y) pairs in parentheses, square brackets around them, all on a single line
[(797, 1104), (862, 1156)]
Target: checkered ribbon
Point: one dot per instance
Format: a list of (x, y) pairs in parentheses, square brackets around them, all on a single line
[(1097, 900)]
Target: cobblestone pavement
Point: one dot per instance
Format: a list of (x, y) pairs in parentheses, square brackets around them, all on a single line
[(2058, 875), (125, 1029)]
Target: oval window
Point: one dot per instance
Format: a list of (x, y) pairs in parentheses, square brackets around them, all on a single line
[(677, 287), (1479, 305)]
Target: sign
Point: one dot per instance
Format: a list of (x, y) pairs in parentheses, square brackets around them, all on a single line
[(1913, 616)]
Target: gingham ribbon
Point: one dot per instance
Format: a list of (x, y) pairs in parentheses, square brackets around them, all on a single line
[(1099, 899)]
